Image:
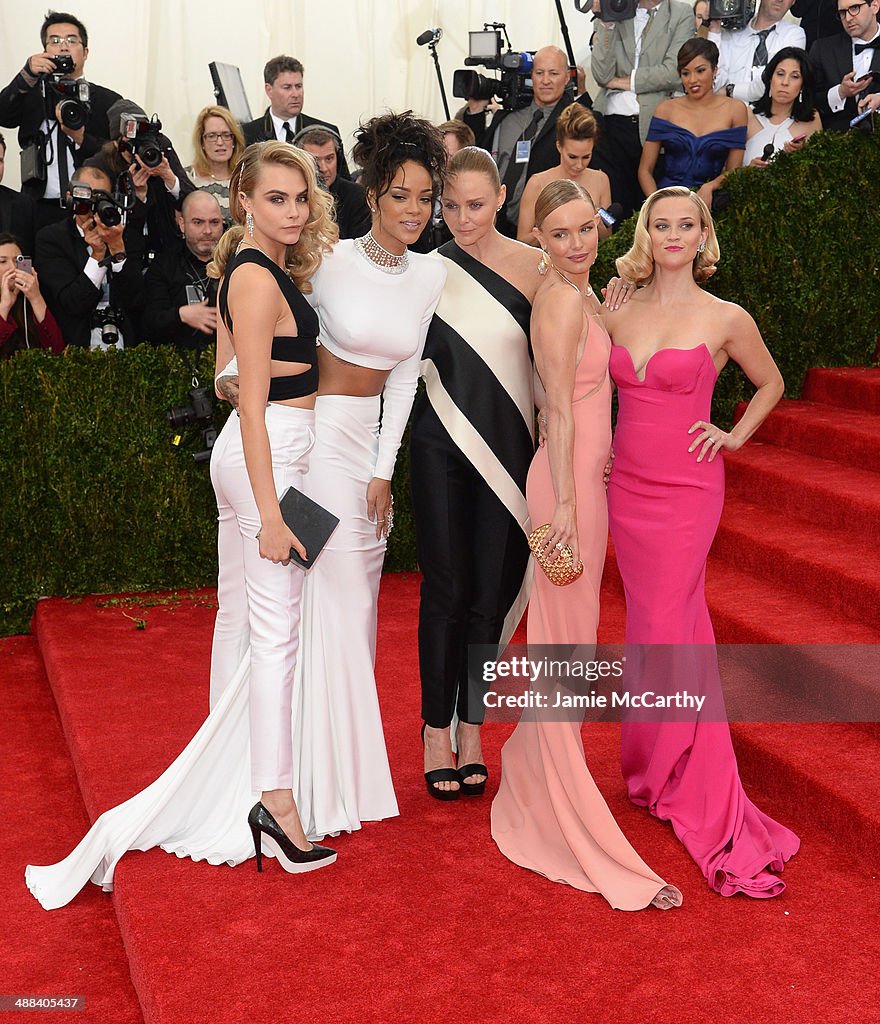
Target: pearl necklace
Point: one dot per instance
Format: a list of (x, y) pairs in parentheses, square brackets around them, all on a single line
[(583, 295), (376, 253)]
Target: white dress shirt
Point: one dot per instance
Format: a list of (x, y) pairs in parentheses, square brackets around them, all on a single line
[(279, 123), (625, 101), (861, 66), (737, 52)]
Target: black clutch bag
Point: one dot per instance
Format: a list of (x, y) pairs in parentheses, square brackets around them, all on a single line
[(311, 522)]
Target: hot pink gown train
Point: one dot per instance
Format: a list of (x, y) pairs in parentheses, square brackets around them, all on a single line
[(664, 508), (549, 815)]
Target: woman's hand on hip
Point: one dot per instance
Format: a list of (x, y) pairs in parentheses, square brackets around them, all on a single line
[(380, 506), (711, 439)]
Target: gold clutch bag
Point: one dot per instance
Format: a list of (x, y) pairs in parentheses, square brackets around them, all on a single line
[(562, 570)]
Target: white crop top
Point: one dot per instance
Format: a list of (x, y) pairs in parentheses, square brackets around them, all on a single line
[(380, 321)]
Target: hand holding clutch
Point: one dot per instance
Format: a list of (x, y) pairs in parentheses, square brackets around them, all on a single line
[(561, 569)]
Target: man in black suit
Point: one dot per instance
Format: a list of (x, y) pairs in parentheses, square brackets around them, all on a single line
[(53, 150), (842, 64), (16, 210), (524, 141), (180, 306), (283, 119), (350, 198), (84, 267)]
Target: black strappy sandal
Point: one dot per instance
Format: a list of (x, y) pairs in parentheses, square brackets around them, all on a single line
[(441, 775), (472, 788)]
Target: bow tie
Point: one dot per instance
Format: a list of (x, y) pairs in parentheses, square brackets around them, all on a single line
[(861, 47)]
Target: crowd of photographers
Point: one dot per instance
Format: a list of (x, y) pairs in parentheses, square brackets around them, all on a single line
[(108, 241)]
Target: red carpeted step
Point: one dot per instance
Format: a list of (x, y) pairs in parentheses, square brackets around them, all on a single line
[(849, 387), (827, 432), (422, 918), (820, 491), (829, 566), (751, 609), (78, 952)]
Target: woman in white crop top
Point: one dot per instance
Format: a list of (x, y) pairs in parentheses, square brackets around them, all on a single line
[(374, 299)]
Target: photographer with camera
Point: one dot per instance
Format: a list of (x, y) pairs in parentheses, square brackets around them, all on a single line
[(745, 52), (635, 62), (93, 285), (180, 299), (138, 151), (61, 119)]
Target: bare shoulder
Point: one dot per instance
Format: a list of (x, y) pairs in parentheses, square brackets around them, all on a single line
[(664, 109), (556, 298), (732, 318), (253, 282), (739, 112)]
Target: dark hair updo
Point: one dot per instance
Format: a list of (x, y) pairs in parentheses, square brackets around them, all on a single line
[(384, 143), (697, 47)]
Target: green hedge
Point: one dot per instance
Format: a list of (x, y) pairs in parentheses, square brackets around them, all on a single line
[(96, 499), (798, 251)]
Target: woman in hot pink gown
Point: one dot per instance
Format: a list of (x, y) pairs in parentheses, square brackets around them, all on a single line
[(549, 815), (665, 497)]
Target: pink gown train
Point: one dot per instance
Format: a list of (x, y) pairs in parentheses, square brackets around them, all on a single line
[(664, 508), (549, 815)]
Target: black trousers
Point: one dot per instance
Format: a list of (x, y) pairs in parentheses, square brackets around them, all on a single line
[(473, 555), (618, 152)]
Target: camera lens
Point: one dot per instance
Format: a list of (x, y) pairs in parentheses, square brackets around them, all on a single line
[(72, 114), (108, 213), (150, 154)]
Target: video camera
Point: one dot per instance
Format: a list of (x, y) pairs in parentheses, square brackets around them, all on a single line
[(108, 208), (733, 14), (74, 107), (142, 137), (199, 413), (514, 86)]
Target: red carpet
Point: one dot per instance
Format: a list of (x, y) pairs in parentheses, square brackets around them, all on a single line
[(80, 952), (422, 919)]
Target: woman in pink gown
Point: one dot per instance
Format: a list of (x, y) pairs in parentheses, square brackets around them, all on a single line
[(549, 815), (665, 498)]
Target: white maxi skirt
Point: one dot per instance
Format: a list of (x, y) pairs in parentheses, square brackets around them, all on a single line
[(198, 807)]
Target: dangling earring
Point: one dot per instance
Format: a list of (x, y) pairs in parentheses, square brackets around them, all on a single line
[(701, 247), (249, 222), (543, 262), (801, 96)]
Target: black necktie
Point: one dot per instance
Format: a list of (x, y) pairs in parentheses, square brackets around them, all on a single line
[(61, 157), (861, 47), (288, 134), (761, 56), (514, 170)]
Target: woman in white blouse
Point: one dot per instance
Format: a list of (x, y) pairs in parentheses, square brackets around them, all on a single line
[(785, 116)]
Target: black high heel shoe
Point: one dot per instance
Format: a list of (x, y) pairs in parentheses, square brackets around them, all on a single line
[(440, 775), (472, 788), (265, 828)]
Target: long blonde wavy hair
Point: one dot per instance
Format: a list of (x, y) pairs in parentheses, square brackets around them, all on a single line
[(320, 232), (638, 264)]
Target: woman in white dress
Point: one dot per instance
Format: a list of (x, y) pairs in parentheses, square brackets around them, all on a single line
[(785, 116)]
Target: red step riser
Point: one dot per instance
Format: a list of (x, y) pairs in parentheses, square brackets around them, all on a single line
[(854, 388), (821, 440), (841, 588), (810, 499)]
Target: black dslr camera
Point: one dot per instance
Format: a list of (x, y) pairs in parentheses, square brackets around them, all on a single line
[(142, 137), (109, 209), (109, 320), (199, 413), (74, 95), (513, 87)]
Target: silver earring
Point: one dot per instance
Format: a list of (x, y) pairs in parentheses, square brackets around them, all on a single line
[(701, 247), (249, 221), (543, 262)]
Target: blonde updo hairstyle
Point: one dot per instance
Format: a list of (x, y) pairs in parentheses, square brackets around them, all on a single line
[(558, 193), (472, 158), (320, 231), (576, 122), (638, 264)]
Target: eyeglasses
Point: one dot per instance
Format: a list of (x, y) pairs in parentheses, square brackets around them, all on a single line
[(214, 136), (75, 40), (851, 11)]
